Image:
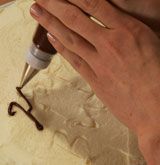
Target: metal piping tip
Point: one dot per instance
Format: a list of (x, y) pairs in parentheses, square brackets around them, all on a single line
[(28, 74)]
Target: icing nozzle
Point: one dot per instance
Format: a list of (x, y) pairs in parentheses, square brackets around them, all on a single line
[(38, 56), (27, 75)]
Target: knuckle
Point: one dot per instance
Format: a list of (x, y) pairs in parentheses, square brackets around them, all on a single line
[(133, 27), (60, 48), (71, 16), (91, 5), (76, 41), (43, 3), (68, 39), (130, 35), (47, 21), (103, 39), (77, 62)]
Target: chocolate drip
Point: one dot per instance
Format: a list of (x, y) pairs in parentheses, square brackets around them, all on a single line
[(27, 112)]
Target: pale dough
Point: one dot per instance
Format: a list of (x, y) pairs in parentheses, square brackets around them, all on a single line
[(79, 129)]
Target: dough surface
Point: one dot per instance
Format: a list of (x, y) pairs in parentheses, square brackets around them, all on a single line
[(78, 128)]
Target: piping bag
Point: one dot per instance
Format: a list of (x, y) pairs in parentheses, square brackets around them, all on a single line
[(38, 56)]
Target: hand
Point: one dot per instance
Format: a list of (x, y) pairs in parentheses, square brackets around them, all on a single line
[(147, 11), (121, 63)]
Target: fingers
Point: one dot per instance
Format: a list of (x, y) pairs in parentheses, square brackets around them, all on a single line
[(67, 37), (102, 10), (72, 17), (77, 62)]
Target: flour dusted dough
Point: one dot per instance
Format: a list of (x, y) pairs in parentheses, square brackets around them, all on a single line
[(78, 129)]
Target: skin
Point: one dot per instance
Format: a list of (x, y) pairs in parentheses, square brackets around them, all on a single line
[(120, 61), (146, 11)]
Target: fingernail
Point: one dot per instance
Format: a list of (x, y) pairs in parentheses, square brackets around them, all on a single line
[(36, 10), (51, 37)]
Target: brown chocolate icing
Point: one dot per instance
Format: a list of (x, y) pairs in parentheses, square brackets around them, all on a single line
[(27, 112)]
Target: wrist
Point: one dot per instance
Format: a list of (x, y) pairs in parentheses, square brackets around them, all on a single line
[(149, 144)]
